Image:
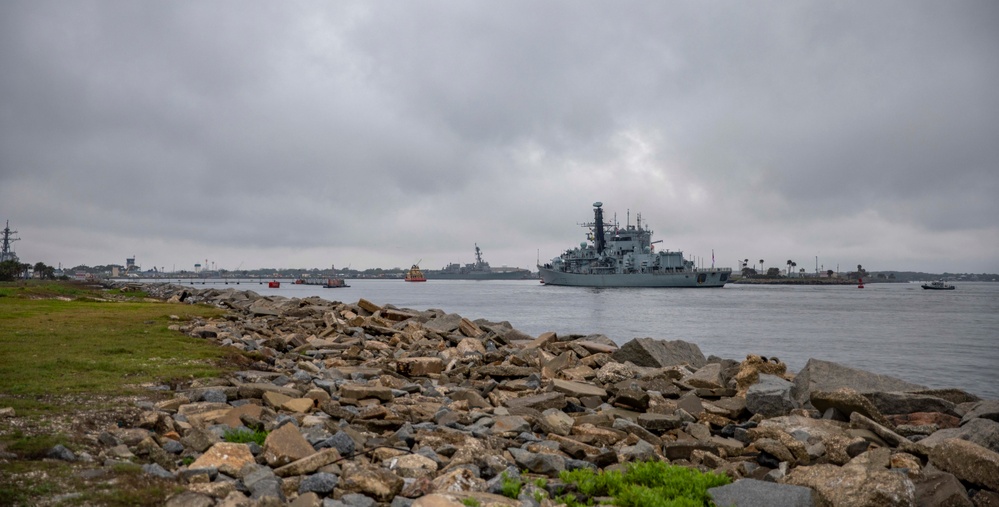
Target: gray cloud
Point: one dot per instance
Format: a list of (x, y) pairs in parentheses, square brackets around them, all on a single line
[(379, 133)]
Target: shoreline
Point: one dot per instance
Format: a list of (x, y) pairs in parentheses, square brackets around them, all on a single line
[(442, 406)]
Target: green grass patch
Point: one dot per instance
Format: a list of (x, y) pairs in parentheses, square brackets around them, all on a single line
[(645, 484), (69, 350), (60, 339), (27, 483), (244, 436), (33, 446), (510, 486)]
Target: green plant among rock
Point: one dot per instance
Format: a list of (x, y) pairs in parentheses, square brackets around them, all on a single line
[(539, 495), (510, 486), (245, 436), (644, 484), (471, 502)]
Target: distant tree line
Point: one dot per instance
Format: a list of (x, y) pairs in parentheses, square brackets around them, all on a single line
[(11, 270)]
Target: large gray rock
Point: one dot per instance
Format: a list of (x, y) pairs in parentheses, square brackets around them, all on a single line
[(322, 483), (818, 375), (541, 401), (285, 445), (854, 486), (707, 376), (968, 462), (578, 389), (847, 401), (770, 396), (941, 488), (908, 403), (546, 464), (375, 482), (261, 482), (660, 353), (985, 409), (983, 432), (754, 493)]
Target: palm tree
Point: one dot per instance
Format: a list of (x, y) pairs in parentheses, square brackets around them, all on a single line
[(789, 267), (761, 265)]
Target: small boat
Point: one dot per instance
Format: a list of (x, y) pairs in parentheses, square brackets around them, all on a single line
[(415, 275), (274, 284), (335, 283), (938, 285)]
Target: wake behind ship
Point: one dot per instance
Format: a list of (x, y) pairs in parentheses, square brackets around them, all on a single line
[(614, 257)]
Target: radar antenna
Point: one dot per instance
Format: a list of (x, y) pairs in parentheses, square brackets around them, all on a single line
[(6, 251)]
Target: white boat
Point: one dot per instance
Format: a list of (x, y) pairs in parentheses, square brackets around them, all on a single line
[(938, 285)]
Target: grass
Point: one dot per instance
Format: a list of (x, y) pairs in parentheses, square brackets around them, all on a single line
[(510, 486), (645, 484), (65, 339), (26, 483), (34, 446), (71, 352), (243, 436)]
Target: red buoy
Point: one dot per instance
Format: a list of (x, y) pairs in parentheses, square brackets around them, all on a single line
[(860, 283)]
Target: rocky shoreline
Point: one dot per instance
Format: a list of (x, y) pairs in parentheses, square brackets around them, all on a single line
[(368, 405)]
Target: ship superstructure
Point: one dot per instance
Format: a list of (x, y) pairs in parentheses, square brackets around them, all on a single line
[(626, 257), (479, 270), (6, 248)]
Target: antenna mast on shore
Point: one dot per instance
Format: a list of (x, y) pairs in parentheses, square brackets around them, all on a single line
[(6, 252)]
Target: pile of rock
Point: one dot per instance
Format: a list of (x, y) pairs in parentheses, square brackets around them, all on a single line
[(375, 405)]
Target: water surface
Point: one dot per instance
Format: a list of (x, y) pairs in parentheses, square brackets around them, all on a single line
[(934, 338)]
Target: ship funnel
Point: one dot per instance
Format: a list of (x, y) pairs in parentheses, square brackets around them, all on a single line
[(598, 219)]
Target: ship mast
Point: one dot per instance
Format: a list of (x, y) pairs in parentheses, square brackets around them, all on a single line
[(598, 218), (6, 252)]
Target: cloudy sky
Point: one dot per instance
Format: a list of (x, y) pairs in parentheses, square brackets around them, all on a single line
[(377, 134)]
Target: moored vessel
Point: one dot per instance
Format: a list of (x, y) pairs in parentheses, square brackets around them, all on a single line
[(616, 257), (415, 275)]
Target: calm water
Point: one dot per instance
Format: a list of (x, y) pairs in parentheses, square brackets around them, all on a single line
[(935, 338)]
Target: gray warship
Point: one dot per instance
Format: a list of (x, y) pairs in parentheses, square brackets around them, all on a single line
[(479, 270), (615, 257)]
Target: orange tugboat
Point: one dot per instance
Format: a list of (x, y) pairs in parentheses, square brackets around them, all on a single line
[(415, 275)]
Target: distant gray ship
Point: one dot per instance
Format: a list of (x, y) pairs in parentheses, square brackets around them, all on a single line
[(626, 258), (479, 270)]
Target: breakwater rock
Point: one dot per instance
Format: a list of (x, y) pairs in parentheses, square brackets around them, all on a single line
[(364, 404)]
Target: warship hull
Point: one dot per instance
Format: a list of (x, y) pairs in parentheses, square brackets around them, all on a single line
[(501, 275), (615, 256), (699, 279)]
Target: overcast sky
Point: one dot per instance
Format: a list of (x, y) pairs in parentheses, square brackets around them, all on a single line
[(254, 134)]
